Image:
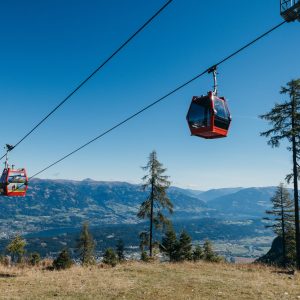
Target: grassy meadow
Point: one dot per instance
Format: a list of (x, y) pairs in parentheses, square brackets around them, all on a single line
[(137, 280)]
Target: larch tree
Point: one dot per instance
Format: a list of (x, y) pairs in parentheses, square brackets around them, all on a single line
[(282, 218), (284, 119), (157, 202)]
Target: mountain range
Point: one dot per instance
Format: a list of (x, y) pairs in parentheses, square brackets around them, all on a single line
[(53, 204)]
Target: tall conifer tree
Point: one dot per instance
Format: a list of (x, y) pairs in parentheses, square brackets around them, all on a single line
[(285, 121), (156, 183)]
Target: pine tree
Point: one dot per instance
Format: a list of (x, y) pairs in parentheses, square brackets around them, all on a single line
[(197, 253), (185, 246), (16, 249), (63, 260), (208, 252), (282, 218), (158, 201), (285, 121), (120, 250), (169, 245), (86, 246), (110, 257)]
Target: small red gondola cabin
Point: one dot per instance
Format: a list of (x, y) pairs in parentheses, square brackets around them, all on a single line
[(14, 182), (208, 116)]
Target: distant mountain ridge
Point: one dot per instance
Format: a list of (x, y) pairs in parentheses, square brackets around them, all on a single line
[(248, 201), (214, 193), (66, 203)]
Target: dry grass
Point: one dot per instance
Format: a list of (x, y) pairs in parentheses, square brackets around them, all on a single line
[(135, 280)]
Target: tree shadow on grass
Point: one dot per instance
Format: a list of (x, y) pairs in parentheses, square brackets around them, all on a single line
[(286, 272), (7, 275)]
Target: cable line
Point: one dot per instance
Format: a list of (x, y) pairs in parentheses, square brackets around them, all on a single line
[(91, 75), (159, 100)]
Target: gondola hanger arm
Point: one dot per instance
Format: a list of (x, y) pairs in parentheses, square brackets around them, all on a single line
[(213, 70)]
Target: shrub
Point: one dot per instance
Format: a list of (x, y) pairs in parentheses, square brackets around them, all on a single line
[(34, 258), (197, 253), (144, 256), (5, 260), (63, 261), (110, 257)]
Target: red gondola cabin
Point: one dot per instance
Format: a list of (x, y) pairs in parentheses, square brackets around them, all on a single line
[(208, 116), (14, 182)]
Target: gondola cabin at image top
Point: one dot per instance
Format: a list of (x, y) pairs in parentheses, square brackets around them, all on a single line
[(13, 182), (290, 10), (208, 116)]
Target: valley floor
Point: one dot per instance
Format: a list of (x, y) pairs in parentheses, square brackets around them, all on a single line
[(136, 280)]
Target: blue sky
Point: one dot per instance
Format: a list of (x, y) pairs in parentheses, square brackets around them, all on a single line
[(48, 47)]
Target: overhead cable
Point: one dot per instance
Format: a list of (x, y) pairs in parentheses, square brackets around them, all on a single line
[(90, 76), (160, 99)]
